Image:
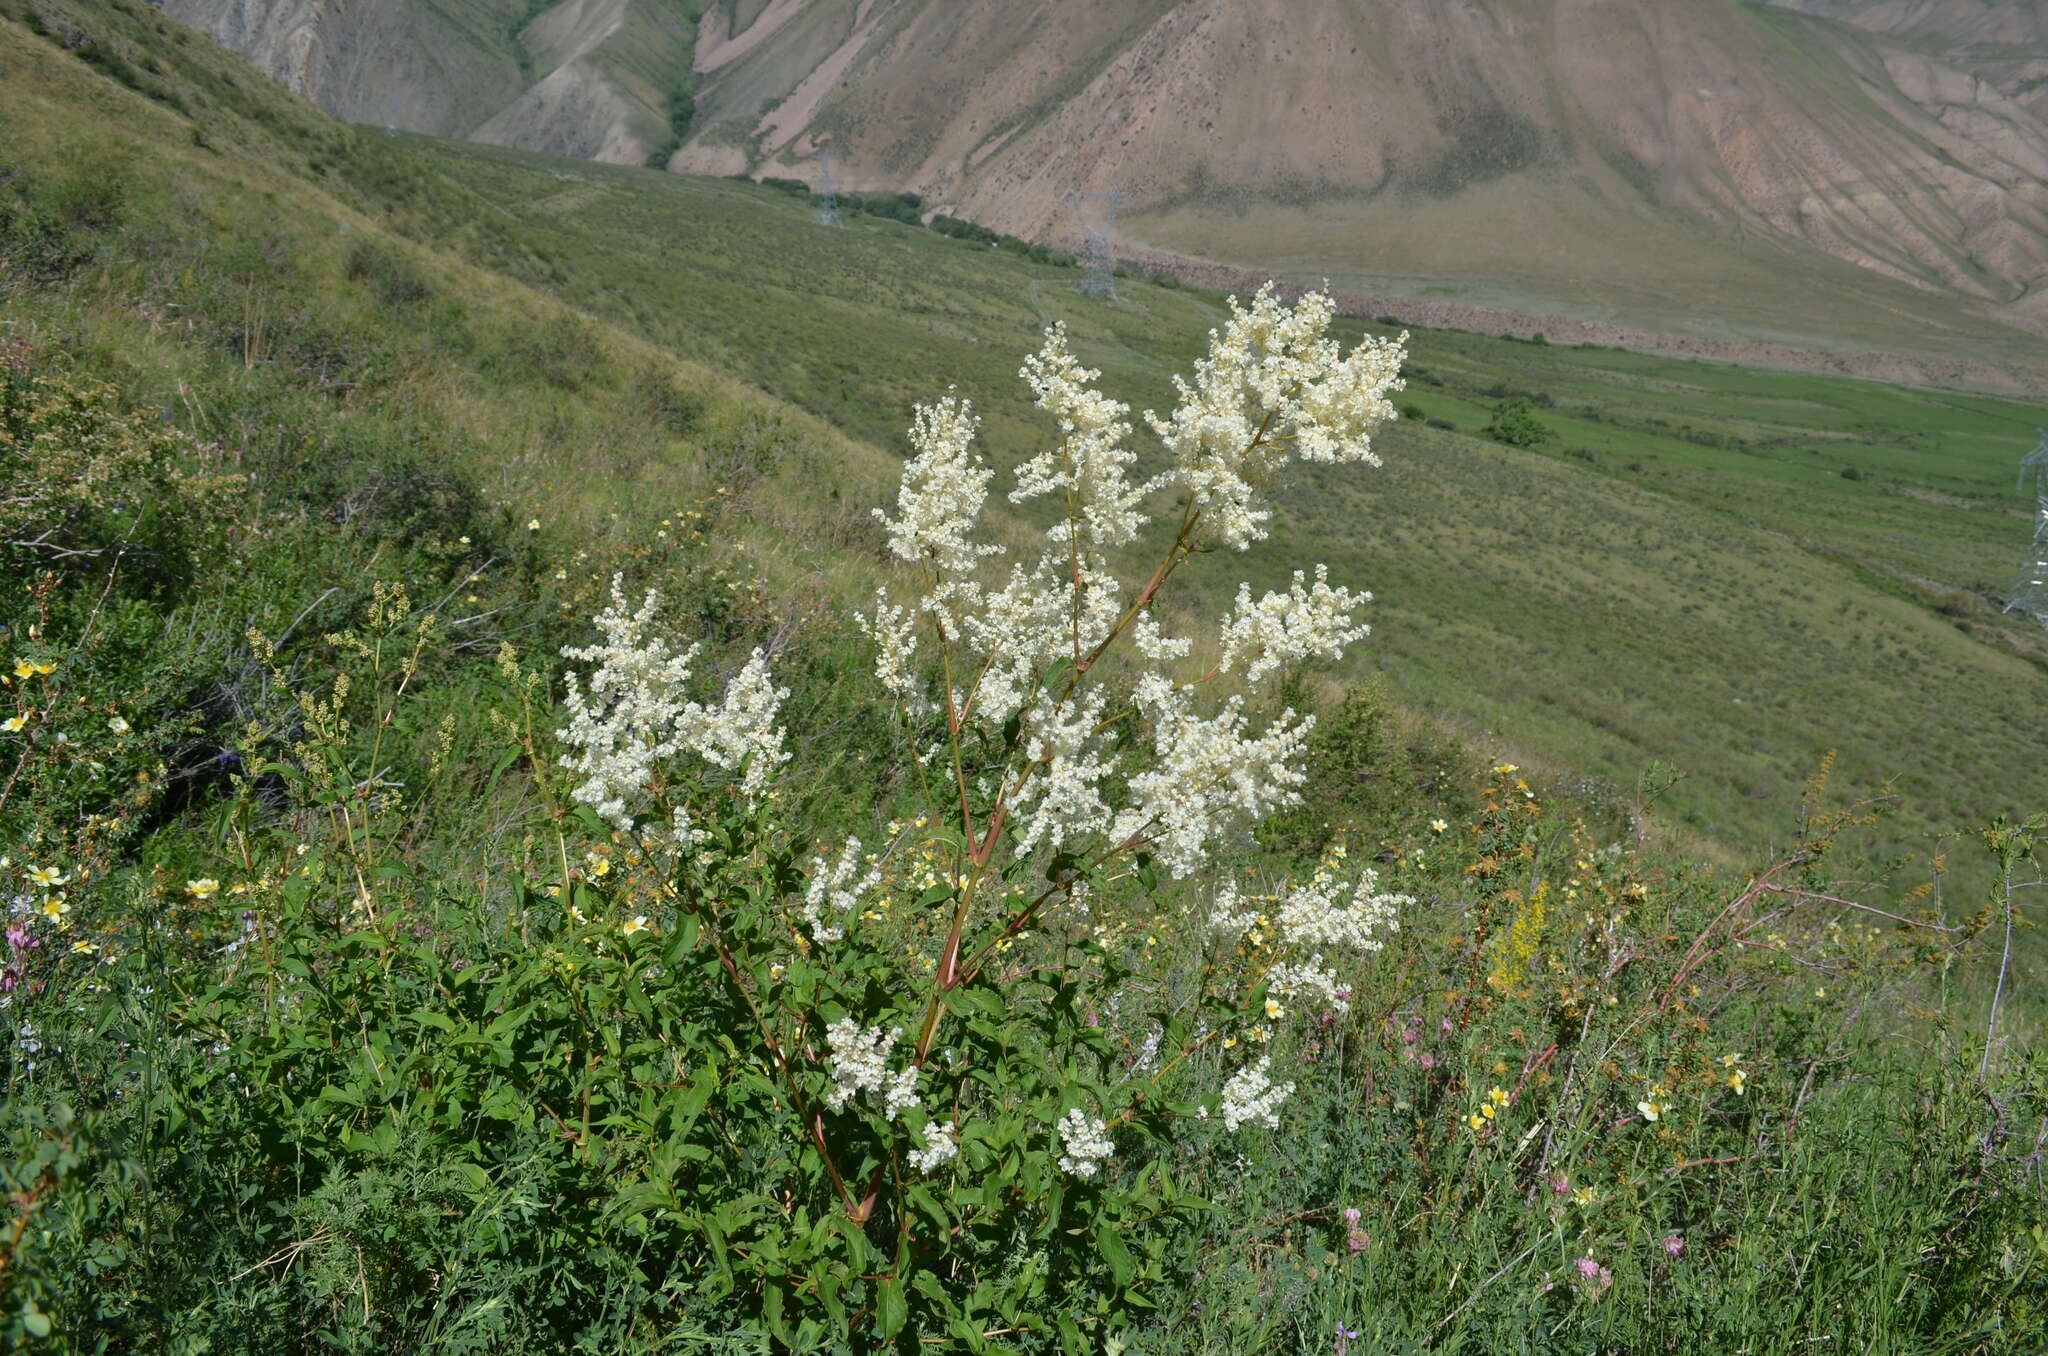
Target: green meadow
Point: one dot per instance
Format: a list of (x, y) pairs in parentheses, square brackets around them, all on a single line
[(1687, 996), (1727, 570)]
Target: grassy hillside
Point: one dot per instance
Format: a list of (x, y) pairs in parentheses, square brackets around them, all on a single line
[(1773, 565), (1779, 565), (333, 1018)]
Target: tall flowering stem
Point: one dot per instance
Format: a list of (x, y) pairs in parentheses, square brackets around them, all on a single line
[(1047, 764), (1275, 389)]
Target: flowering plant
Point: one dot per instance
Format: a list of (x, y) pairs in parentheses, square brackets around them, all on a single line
[(939, 1077)]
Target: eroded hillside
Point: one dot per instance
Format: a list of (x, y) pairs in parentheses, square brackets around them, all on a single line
[(1544, 146), (594, 79), (1817, 173)]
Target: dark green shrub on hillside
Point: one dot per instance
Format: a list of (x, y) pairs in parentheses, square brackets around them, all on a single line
[(677, 411), (92, 483), (1515, 424), (561, 353), (904, 207), (388, 273)]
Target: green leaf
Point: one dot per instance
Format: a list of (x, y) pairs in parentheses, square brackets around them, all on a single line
[(1110, 1244), (35, 1322), (891, 1309)]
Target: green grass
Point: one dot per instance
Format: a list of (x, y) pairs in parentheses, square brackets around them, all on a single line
[(209, 1150), (1683, 574)]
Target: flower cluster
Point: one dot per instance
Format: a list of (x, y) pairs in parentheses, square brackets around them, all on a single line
[(1092, 463), (1251, 1097), (942, 492), (836, 887), (634, 717), (860, 1063), (939, 1147), (1018, 644), (1274, 385), (1285, 628), (1308, 925), (1086, 1142)]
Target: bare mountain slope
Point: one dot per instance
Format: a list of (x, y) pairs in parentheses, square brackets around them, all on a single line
[(1627, 130), (593, 79), (423, 67), (2004, 42), (1857, 173)]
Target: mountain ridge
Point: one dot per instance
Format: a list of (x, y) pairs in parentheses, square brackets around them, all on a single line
[(1810, 174)]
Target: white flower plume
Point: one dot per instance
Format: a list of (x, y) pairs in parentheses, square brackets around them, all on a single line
[(631, 717), (629, 722), (1283, 628), (860, 1063), (1251, 1097), (944, 486), (1092, 462), (1209, 777), (1168, 771), (836, 888), (1273, 386), (1086, 1141)]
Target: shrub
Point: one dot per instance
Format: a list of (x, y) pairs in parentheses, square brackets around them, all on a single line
[(91, 482), (1515, 424), (394, 279)]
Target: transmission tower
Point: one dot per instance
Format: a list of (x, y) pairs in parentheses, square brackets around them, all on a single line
[(2031, 594), (828, 195), (1099, 261)]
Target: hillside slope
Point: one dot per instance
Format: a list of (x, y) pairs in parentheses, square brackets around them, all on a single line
[(1827, 175), (1563, 152), (1686, 572), (595, 79)]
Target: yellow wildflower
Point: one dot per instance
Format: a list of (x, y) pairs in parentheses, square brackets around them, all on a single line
[(204, 888)]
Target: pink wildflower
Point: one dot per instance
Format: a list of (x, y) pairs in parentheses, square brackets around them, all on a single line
[(1354, 1237), (1674, 1245)]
